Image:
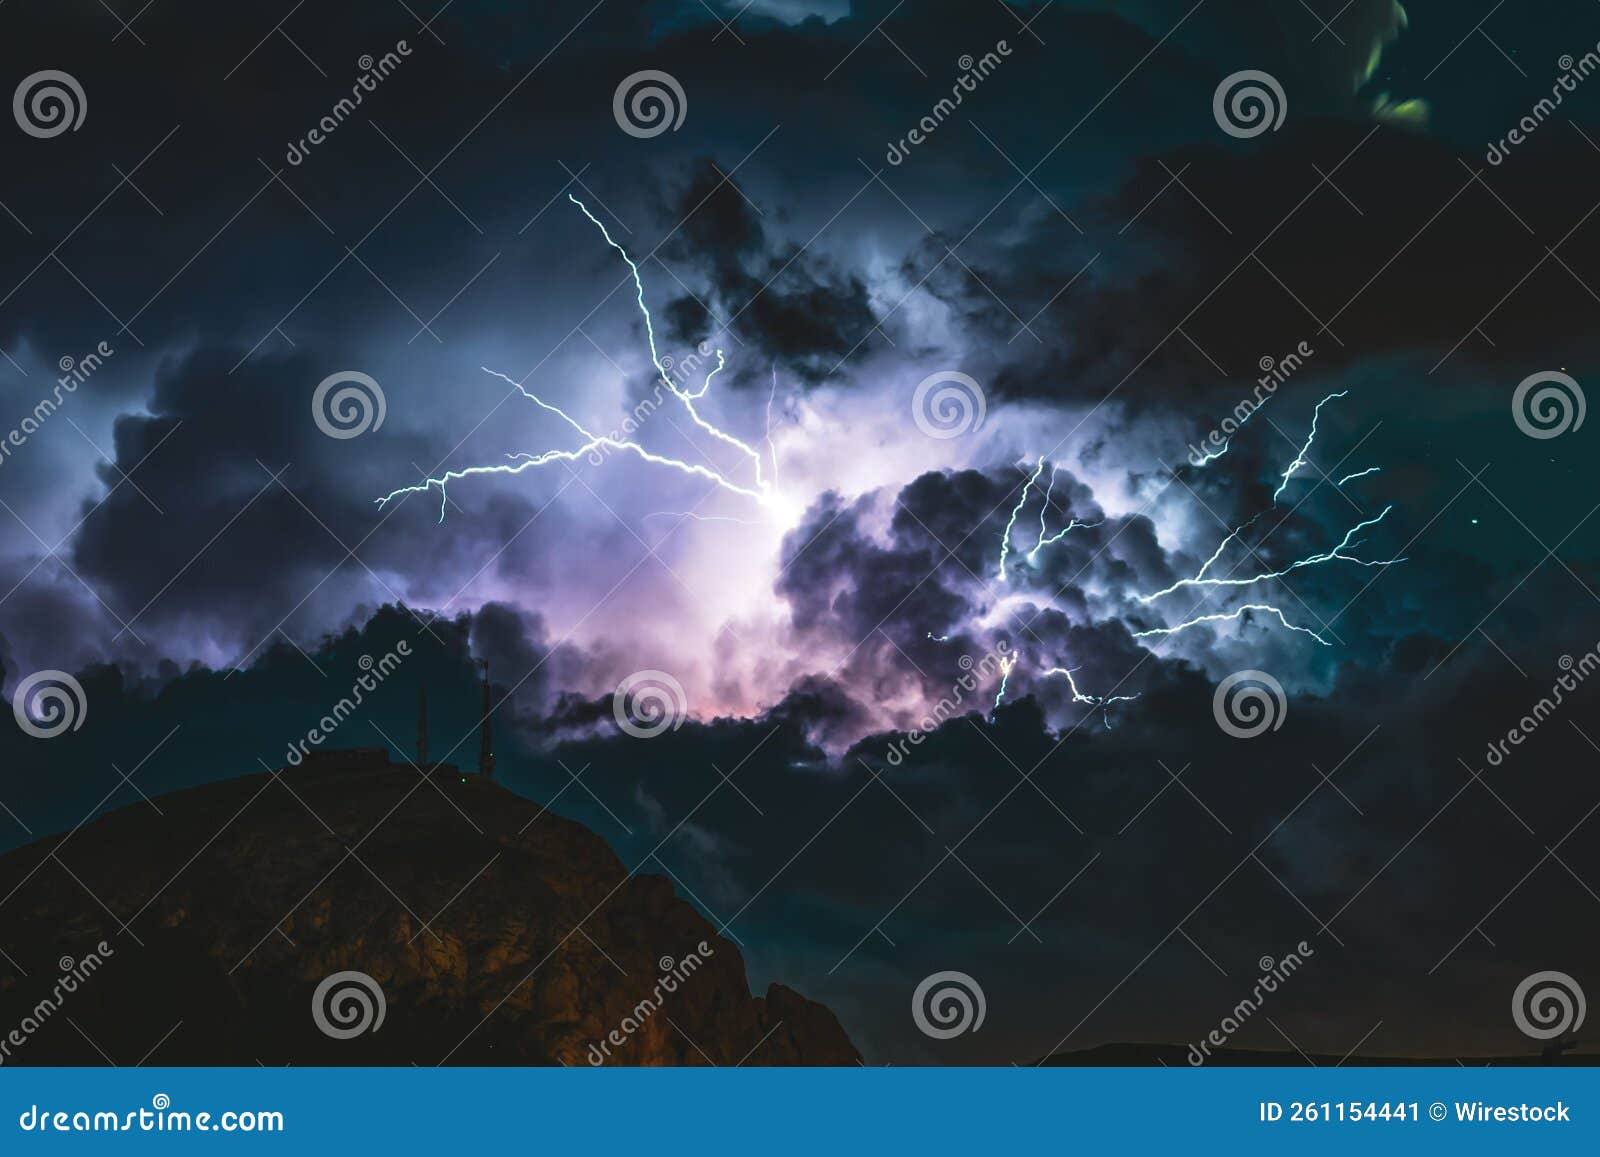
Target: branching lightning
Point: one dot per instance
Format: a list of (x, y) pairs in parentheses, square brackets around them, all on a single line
[(1209, 457), (760, 490), (1005, 541), (1310, 560), (1007, 665), (1045, 537), (1337, 554), (1229, 616), (1103, 702), (1300, 458)]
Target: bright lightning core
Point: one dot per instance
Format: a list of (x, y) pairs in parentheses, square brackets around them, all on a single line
[(759, 488)]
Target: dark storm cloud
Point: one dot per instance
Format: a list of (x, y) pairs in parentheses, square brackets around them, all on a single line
[(779, 301), (185, 726), (906, 604), (1250, 854), (244, 517), (1251, 255)]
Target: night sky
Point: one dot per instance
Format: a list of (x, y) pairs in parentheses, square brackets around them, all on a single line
[(1110, 269)]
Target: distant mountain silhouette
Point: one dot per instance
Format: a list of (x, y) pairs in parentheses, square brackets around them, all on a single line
[(499, 933), (1178, 1056)]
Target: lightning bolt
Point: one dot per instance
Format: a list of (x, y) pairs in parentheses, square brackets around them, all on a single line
[(1310, 560), (1005, 540), (1074, 524), (1358, 474), (1045, 537), (760, 490), (1230, 616), (1103, 702), (1209, 457), (1300, 458), (1007, 665), (690, 514), (772, 448)]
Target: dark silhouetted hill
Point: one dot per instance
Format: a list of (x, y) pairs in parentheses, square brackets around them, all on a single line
[(499, 932)]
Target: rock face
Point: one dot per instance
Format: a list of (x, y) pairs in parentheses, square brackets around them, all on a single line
[(498, 932)]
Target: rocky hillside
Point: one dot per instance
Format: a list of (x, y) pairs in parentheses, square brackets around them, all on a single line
[(498, 933)]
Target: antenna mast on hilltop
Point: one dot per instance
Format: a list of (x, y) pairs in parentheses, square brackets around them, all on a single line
[(422, 726), (485, 739)]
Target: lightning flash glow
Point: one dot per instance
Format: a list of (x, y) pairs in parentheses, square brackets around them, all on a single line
[(754, 481)]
